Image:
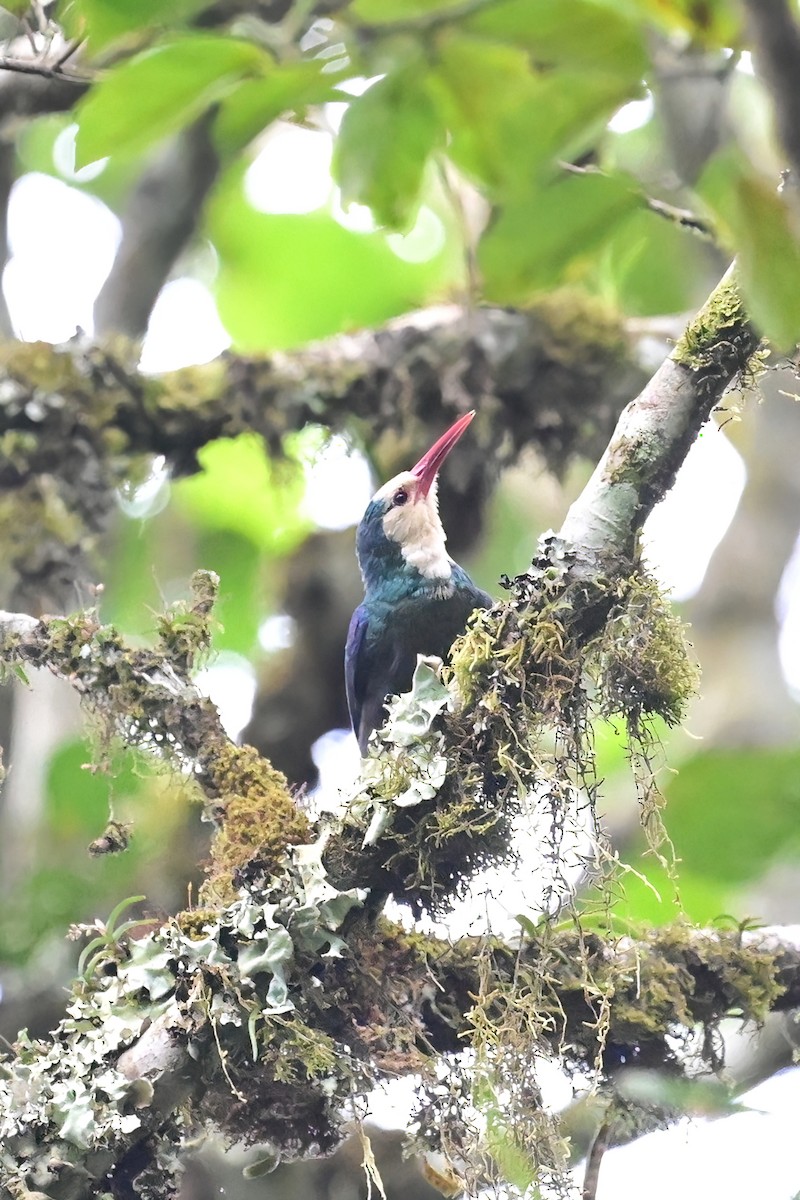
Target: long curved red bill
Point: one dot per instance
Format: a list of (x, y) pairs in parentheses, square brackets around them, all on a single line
[(428, 466)]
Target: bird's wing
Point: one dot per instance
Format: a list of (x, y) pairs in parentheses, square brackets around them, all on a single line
[(353, 664)]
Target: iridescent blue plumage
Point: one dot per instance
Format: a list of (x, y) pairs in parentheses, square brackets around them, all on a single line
[(417, 600)]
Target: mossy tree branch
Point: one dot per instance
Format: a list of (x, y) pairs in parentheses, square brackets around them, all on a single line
[(655, 431), (554, 378)]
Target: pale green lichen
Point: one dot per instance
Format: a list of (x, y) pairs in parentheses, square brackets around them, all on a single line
[(232, 971)]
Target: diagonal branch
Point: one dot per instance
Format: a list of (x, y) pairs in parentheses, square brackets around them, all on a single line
[(655, 431)]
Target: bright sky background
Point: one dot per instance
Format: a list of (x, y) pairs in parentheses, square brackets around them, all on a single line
[(748, 1157)]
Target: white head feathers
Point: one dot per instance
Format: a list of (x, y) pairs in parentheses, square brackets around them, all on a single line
[(413, 522)]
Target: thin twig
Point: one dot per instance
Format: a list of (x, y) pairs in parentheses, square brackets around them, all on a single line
[(681, 216), (21, 67), (678, 216), (591, 1176), (70, 50)]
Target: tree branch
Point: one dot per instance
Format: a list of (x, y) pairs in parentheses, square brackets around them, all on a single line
[(776, 49), (569, 355), (161, 215), (656, 430)]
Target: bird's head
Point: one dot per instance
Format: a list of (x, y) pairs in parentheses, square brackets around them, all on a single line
[(401, 527)]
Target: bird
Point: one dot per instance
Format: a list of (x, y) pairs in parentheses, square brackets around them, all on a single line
[(416, 598)]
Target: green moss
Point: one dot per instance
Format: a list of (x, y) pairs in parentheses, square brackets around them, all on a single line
[(189, 389), (195, 922), (38, 365), (718, 334), (185, 630), (259, 820), (644, 665), (580, 323)]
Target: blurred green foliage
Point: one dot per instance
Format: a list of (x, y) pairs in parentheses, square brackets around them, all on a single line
[(732, 816)]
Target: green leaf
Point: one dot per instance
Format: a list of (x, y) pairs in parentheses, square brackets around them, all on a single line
[(239, 489), (654, 266), (385, 12), (384, 142), (711, 23), (510, 124), (105, 21), (256, 103), (579, 34), (160, 91), (285, 279), (722, 847), (487, 92), (537, 243), (754, 221)]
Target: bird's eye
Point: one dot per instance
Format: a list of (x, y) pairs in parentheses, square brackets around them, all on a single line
[(400, 497)]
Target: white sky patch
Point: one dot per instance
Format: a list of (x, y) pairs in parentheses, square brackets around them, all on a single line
[(276, 633), (231, 683), (62, 245), (787, 606), (64, 158), (632, 115), (684, 529), (752, 1154), (338, 761), (317, 34), (184, 328), (425, 239), (338, 486), (356, 217), (292, 171)]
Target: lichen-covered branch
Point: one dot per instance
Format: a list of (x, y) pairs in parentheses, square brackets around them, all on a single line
[(285, 990), (147, 698), (554, 378), (586, 634), (655, 431), (265, 1019)]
